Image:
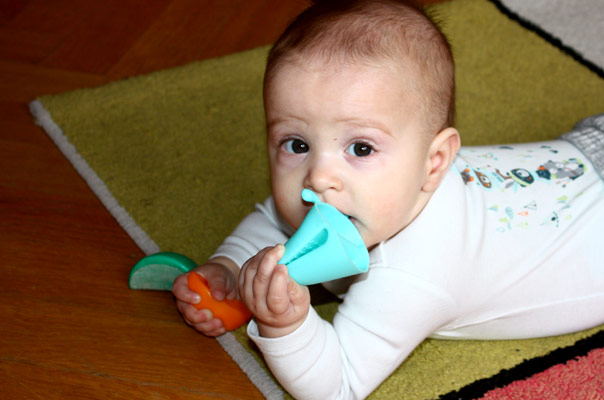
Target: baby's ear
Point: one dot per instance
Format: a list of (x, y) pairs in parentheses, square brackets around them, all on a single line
[(441, 153)]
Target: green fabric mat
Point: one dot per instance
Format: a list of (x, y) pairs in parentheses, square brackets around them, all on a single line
[(182, 151)]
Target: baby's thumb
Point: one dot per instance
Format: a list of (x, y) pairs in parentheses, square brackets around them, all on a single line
[(218, 286)]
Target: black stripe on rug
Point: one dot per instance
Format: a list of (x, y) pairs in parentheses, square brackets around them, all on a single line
[(528, 368), (525, 23)]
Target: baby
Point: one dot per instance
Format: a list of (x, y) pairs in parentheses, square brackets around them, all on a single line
[(494, 242)]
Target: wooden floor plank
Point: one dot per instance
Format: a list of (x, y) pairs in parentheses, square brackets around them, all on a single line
[(190, 30), (33, 381), (59, 17), (10, 8), (24, 82), (25, 45), (100, 40)]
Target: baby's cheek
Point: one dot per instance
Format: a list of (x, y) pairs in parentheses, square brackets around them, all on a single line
[(291, 213), (388, 222)]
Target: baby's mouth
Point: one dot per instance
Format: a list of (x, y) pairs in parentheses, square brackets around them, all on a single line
[(352, 219)]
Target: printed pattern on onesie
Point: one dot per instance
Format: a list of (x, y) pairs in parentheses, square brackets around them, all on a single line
[(525, 185)]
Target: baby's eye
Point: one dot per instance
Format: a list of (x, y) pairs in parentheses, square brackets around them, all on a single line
[(359, 149), (295, 146)]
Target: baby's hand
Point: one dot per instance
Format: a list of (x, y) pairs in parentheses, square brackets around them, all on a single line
[(278, 303), (222, 282)]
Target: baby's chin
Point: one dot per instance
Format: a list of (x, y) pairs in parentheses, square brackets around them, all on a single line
[(369, 242)]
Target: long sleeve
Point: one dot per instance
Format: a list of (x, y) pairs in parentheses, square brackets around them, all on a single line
[(260, 229), (385, 315), (385, 310)]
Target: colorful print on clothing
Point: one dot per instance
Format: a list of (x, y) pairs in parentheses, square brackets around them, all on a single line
[(489, 176), (527, 184), (570, 169)]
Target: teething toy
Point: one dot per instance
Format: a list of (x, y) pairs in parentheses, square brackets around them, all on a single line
[(327, 245), (158, 272), (233, 313)]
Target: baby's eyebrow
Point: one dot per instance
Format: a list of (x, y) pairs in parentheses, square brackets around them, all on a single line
[(279, 120), (367, 123)]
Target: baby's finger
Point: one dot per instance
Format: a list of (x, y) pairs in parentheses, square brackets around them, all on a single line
[(264, 274), (192, 315), (180, 289), (245, 292), (179, 283), (277, 298), (248, 274), (213, 327), (218, 285), (297, 294)]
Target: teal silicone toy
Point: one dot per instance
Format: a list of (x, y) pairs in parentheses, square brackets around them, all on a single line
[(327, 246), (158, 271)]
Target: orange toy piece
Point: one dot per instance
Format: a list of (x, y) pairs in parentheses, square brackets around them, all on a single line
[(233, 313)]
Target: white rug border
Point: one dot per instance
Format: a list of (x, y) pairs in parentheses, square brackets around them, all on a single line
[(229, 343)]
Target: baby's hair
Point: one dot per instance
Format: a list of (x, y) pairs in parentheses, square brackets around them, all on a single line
[(389, 32)]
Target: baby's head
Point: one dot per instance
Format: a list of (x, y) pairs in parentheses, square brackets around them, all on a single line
[(389, 33), (359, 101)]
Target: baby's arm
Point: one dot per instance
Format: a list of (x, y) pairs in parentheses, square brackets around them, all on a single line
[(259, 229), (385, 315), (278, 303), (221, 274)]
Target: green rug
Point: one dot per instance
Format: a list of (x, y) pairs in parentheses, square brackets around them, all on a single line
[(178, 157)]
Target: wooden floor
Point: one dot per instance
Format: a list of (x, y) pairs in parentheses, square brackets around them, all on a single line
[(70, 327)]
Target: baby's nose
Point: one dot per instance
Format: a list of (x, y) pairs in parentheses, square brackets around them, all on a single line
[(323, 175)]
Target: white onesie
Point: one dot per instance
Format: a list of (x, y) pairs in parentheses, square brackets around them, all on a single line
[(507, 247)]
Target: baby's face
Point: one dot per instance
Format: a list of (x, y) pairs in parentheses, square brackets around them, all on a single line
[(353, 135)]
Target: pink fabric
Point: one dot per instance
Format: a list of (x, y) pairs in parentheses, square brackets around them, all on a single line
[(580, 379)]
